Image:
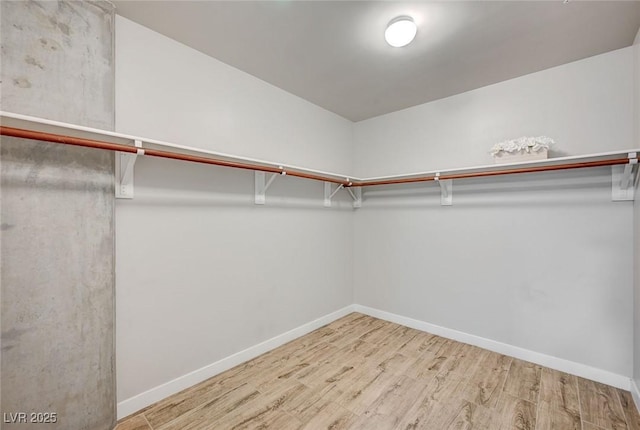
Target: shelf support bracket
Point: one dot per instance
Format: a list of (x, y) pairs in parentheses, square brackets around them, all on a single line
[(262, 185), (446, 190), (623, 179), (356, 195), (124, 171), (329, 192)]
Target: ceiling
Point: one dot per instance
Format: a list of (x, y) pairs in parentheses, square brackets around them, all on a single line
[(333, 53)]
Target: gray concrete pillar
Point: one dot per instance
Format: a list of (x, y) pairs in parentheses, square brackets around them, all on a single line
[(57, 220)]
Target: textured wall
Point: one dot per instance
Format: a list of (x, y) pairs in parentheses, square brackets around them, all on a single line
[(57, 60), (57, 223)]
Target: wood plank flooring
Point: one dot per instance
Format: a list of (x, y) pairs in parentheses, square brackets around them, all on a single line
[(364, 373)]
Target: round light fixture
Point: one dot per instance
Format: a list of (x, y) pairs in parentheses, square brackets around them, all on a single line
[(400, 31)]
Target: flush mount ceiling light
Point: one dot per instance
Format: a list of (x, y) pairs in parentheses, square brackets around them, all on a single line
[(400, 31)]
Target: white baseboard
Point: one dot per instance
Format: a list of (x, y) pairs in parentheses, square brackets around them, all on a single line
[(142, 400), (635, 393), (556, 363)]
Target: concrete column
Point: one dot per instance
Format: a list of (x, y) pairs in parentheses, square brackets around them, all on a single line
[(57, 219)]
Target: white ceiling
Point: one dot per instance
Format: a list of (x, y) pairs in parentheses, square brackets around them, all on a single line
[(333, 53)]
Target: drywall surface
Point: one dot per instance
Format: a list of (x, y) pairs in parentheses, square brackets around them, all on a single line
[(636, 224), (586, 106), (57, 226), (542, 262), (636, 283), (202, 272), (171, 92)]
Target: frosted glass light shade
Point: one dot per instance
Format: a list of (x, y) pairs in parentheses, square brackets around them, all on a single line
[(400, 31)]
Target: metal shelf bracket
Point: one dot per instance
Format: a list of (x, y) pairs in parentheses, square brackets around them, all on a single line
[(446, 190), (624, 178), (329, 192), (124, 171), (262, 186), (356, 194)]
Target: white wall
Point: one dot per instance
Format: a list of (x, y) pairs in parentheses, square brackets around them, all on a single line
[(636, 225), (586, 106), (201, 271), (541, 262), (171, 92)]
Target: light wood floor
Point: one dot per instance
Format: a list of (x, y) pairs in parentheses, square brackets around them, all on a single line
[(364, 373)]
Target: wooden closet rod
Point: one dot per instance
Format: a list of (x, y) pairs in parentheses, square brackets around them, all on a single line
[(577, 165), (88, 143), (69, 140)]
